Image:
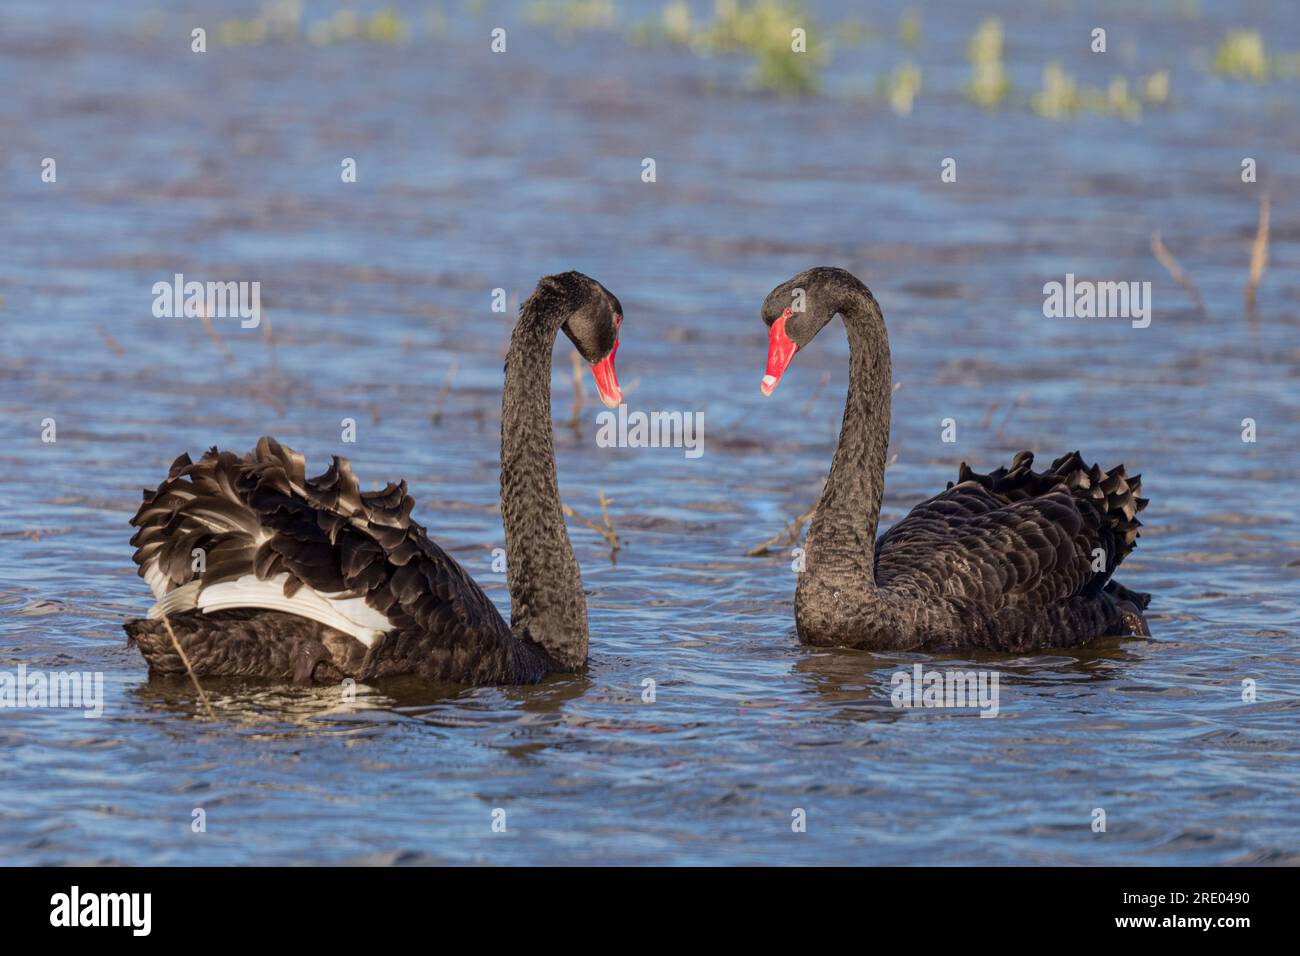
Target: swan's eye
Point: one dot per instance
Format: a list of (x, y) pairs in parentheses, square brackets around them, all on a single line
[(787, 313)]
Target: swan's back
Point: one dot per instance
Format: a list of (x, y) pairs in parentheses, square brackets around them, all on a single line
[(1016, 548)]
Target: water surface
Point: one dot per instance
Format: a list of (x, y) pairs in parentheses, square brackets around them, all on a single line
[(479, 171)]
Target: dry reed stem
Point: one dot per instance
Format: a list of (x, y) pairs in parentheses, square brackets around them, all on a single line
[(112, 343), (607, 531), (1166, 259), (1258, 262), (188, 668), (1006, 419), (267, 396), (211, 332), (787, 535), (443, 392), (268, 334)]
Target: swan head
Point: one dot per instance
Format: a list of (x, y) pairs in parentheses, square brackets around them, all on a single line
[(796, 310), (593, 316)]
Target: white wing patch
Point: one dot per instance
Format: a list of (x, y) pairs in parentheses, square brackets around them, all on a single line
[(154, 577), (351, 615)]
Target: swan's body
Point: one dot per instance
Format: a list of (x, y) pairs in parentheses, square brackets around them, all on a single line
[(262, 572), (1012, 560)]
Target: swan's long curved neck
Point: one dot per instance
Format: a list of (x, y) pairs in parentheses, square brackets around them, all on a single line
[(840, 550), (546, 600)]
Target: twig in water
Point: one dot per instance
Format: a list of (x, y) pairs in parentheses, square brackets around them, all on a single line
[(268, 334), (1258, 261), (267, 395), (788, 535), (188, 669), (604, 514), (1176, 271), (442, 393), (607, 532), (212, 332), (111, 342), (1006, 419)]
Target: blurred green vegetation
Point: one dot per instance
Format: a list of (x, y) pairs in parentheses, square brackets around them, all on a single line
[(1242, 56), (786, 61), (283, 20), (989, 83), (764, 29), (1061, 97), (909, 28), (572, 16), (902, 88)]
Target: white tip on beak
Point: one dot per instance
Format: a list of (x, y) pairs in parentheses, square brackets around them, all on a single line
[(769, 383)]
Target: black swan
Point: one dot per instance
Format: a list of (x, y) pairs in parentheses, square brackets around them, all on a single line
[(312, 579), (1012, 560)]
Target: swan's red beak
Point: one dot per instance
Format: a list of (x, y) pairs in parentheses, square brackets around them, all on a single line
[(606, 380), (780, 350)]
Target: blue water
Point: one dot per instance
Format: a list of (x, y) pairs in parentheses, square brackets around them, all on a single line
[(479, 171)]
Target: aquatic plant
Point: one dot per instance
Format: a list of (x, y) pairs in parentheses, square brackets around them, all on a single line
[(384, 26), (677, 22), (765, 29), (1061, 97), (241, 32), (1155, 88), (573, 15), (278, 19), (1058, 98), (1120, 102), (282, 20), (989, 84), (1241, 55), (909, 28), (852, 32), (902, 88)]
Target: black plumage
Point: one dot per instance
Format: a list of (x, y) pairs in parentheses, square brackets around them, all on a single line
[(1012, 560), (415, 610)]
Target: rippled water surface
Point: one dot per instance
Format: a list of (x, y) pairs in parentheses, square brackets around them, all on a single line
[(479, 171)]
